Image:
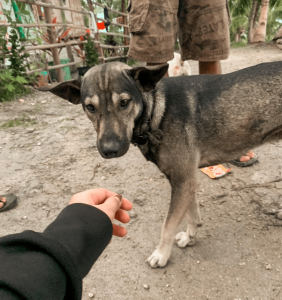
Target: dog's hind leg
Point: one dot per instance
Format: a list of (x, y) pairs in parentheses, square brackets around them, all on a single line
[(183, 192), (188, 238)]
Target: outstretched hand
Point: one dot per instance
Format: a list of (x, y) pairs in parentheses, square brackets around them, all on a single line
[(110, 203)]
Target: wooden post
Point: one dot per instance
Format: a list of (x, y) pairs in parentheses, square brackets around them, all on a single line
[(52, 38), (97, 36), (68, 47), (125, 29), (90, 5)]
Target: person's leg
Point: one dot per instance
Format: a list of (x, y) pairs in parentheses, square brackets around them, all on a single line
[(209, 67), (153, 26)]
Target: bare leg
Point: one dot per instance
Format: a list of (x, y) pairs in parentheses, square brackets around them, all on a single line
[(183, 201), (209, 67)]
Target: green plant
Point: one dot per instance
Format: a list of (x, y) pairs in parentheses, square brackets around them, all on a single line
[(2, 54), (91, 58), (241, 43), (15, 51), (176, 46), (87, 51), (11, 86), (131, 62)]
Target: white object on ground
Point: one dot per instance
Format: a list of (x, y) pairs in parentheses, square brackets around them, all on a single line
[(177, 67)]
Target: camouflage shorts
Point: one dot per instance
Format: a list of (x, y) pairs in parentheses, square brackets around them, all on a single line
[(201, 25)]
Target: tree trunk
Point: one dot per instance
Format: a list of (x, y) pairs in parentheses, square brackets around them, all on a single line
[(68, 48), (256, 16), (252, 21), (278, 35), (260, 33)]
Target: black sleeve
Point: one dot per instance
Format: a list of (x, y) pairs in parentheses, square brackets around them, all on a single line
[(52, 264)]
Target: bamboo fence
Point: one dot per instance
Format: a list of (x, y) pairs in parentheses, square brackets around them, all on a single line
[(54, 46)]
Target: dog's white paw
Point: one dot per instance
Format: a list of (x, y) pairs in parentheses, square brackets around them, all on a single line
[(157, 259), (184, 240)]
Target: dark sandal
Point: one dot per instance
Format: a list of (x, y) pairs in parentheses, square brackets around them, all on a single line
[(11, 200), (242, 164)]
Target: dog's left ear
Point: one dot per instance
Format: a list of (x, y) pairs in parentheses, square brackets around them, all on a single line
[(148, 77), (68, 90)]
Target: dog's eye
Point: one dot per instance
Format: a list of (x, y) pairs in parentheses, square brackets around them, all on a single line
[(90, 107), (125, 102)]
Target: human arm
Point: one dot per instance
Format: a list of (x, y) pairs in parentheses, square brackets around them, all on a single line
[(52, 264)]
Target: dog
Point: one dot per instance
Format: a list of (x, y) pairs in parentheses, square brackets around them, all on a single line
[(179, 124), (177, 67)]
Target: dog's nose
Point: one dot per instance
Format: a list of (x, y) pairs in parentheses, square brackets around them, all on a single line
[(110, 149), (110, 154)]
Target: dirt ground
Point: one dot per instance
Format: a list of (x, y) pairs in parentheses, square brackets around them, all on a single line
[(48, 152)]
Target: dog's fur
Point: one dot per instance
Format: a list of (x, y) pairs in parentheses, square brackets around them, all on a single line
[(180, 124)]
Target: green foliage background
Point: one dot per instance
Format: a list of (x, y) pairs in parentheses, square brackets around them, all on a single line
[(240, 11)]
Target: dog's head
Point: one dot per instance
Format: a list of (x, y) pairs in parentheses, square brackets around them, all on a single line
[(112, 98)]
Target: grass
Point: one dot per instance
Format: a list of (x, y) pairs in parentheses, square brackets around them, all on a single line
[(242, 43), (24, 121), (131, 62), (68, 127)]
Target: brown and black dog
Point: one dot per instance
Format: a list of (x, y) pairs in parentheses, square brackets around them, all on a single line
[(180, 124)]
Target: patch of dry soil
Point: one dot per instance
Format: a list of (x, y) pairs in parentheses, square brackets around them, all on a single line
[(51, 155)]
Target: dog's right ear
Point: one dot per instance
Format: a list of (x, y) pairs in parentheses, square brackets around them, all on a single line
[(148, 77), (68, 90)]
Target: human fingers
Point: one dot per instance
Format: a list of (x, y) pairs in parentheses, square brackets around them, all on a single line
[(122, 216), (100, 195), (110, 206), (119, 230), (126, 204)]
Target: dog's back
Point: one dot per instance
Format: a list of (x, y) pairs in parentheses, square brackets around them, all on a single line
[(244, 107)]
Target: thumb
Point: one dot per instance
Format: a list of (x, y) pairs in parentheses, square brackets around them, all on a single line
[(111, 206)]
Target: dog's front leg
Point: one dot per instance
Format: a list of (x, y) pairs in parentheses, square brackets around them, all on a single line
[(183, 201)]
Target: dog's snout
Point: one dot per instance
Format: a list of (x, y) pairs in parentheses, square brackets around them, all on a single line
[(110, 149)]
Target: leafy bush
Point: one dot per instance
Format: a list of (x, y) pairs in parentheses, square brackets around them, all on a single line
[(16, 53), (11, 86), (13, 77), (91, 58)]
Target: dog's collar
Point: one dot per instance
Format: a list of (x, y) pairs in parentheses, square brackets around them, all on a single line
[(140, 133), (143, 125)]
